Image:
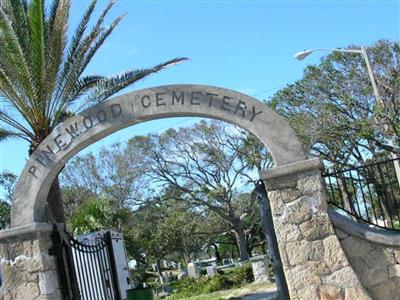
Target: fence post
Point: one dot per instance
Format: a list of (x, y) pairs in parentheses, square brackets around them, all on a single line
[(108, 240)]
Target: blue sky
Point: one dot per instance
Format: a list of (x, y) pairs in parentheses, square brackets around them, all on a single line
[(243, 45)]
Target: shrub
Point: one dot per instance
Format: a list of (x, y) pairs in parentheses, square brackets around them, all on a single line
[(242, 274), (217, 283), (230, 279), (188, 286)]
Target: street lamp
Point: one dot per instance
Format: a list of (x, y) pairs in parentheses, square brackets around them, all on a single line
[(303, 54)]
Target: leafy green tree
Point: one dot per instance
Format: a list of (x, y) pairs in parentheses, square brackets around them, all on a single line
[(111, 174), (333, 110), (7, 183), (74, 197), (91, 216), (162, 229), (42, 75), (207, 164), (227, 246), (5, 211)]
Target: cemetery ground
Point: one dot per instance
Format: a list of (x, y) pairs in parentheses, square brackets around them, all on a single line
[(252, 291), (235, 283)]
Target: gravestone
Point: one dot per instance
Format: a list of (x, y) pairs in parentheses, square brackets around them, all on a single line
[(154, 267), (259, 265), (211, 271), (193, 271)]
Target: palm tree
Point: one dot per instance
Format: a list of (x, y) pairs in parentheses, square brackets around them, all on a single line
[(42, 78)]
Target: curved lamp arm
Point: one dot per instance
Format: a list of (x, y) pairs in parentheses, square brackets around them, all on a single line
[(303, 54)]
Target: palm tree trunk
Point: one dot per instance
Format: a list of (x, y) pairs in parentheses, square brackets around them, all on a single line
[(55, 204)]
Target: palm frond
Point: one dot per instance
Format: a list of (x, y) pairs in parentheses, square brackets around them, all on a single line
[(78, 35), (98, 43), (69, 95), (114, 84), (55, 47), (7, 134), (6, 118), (76, 57), (52, 17), (11, 90), (83, 85), (16, 56), (18, 14), (41, 74), (36, 32)]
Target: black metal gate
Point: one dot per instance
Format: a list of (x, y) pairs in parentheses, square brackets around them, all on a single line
[(87, 270)]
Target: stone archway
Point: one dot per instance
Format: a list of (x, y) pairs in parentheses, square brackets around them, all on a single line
[(313, 260), (129, 109)]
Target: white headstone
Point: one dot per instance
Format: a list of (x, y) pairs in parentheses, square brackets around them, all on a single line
[(154, 267), (211, 271), (165, 264), (193, 271)]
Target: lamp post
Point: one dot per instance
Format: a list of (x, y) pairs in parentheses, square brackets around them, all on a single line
[(303, 54)]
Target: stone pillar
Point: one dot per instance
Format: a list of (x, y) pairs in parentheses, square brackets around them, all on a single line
[(29, 271), (260, 266), (314, 263)]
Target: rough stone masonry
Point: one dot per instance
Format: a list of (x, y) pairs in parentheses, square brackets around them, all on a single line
[(313, 260), (29, 270)]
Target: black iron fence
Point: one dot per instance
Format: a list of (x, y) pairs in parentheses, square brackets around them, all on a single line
[(368, 194)]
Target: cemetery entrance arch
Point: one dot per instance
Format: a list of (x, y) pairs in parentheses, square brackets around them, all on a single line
[(312, 257), (160, 102)]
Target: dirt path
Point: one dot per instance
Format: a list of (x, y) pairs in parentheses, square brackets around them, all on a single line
[(253, 292)]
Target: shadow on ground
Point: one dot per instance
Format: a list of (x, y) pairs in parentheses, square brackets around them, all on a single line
[(258, 296)]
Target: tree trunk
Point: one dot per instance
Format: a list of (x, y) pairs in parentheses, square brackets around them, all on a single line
[(159, 271), (217, 254), (242, 245), (383, 198), (55, 204), (347, 201), (345, 196), (186, 257), (141, 267)]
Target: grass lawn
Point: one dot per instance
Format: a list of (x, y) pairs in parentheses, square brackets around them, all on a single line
[(233, 294)]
